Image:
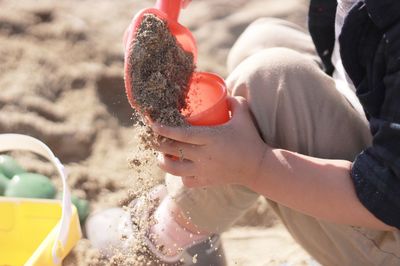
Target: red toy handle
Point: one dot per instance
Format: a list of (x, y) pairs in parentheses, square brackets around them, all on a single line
[(171, 8)]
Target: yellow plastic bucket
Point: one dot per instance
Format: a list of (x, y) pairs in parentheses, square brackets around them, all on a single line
[(36, 232)]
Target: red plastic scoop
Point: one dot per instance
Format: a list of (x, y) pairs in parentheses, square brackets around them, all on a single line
[(206, 103)]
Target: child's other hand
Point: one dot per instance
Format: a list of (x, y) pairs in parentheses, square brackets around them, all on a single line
[(217, 155)]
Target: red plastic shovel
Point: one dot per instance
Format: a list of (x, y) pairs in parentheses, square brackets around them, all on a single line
[(206, 103)]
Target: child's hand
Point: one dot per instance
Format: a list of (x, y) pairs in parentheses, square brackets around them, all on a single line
[(218, 155)]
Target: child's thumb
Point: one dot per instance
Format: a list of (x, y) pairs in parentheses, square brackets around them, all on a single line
[(237, 104)]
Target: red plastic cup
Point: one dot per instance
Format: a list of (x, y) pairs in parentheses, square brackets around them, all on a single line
[(206, 102)]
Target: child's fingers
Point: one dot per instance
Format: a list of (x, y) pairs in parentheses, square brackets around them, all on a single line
[(192, 134), (175, 167), (178, 149)]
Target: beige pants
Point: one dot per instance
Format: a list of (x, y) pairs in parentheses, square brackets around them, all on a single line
[(297, 107)]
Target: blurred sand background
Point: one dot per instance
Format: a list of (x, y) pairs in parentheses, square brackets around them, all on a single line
[(61, 80)]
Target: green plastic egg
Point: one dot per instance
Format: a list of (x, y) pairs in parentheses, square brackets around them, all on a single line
[(82, 206), (29, 185), (3, 183), (9, 167)]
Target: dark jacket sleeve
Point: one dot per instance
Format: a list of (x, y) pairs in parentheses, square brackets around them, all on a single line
[(321, 24), (376, 171)]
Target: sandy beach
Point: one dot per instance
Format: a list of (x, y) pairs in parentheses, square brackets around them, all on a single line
[(61, 81)]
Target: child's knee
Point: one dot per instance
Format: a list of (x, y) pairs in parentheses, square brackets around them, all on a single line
[(265, 33), (263, 72)]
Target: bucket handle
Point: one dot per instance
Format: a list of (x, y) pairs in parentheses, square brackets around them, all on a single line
[(23, 142)]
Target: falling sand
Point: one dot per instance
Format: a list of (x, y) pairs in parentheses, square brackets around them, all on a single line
[(160, 71)]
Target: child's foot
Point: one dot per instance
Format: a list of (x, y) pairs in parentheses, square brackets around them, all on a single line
[(168, 240)]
